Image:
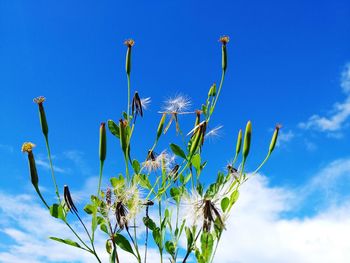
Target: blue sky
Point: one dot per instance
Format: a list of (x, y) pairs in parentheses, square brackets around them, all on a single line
[(289, 63)]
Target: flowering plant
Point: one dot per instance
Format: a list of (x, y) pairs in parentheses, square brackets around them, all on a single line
[(162, 182)]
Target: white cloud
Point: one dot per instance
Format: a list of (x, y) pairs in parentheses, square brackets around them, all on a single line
[(284, 137), (44, 164), (340, 113), (257, 231)]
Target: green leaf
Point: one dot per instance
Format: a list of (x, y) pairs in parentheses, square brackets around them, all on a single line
[(175, 194), (56, 211), (170, 247), (103, 227), (112, 256), (67, 242), (149, 223), (123, 243), (117, 182), (143, 181), (113, 128), (189, 237), (136, 166), (196, 162), (89, 209), (234, 197), (177, 150), (225, 203), (157, 236), (207, 243)]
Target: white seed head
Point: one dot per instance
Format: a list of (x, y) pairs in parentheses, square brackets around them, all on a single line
[(177, 104)]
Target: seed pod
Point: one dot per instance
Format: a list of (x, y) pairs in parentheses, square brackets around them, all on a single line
[(224, 40), (103, 144), (212, 91), (28, 148), (129, 43), (42, 115), (68, 199), (123, 135), (247, 140), (33, 172), (274, 138), (239, 142), (197, 139), (161, 126), (198, 117)]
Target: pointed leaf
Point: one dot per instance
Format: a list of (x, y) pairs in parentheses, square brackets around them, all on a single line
[(123, 243), (177, 150)]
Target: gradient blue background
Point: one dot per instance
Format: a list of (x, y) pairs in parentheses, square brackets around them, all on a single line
[(285, 60)]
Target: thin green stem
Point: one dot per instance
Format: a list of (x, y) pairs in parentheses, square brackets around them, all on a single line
[(51, 167), (41, 197), (88, 234), (218, 94), (100, 179), (160, 224), (128, 109), (261, 165)]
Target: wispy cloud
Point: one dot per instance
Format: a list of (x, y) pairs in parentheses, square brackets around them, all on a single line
[(77, 157), (45, 164), (7, 148), (337, 119), (285, 137)]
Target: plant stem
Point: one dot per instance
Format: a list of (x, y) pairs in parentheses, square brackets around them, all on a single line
[(128, 109), (100, 179), (87, 232), (51, 167), (218, 94), (160, 225)]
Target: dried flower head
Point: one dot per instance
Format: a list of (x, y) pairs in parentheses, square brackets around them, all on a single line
[(126, 206), (136, 106), (27, 147), (39, 100), (68, 200), (155, 161), (129, 42), (224, 40)]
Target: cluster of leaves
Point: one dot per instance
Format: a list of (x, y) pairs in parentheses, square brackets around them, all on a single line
[(168, 186)]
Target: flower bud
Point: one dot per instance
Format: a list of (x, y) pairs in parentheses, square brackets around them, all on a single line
[(28, 147), (247, 140), (274, 138), (42, 115), (123, 135), (224, 40), (239, 142), (103, 144), (129, 43), (212, 91), (161, 126)]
